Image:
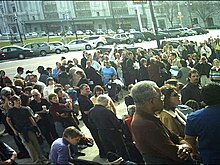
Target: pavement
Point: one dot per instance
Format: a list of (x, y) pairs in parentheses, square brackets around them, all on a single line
[(91, 152)]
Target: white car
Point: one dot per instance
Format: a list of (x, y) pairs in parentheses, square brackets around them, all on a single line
[(96, 41), (34, 34), (57, 47), (89, 32), (79, 32), (187, 32), (78, 45)]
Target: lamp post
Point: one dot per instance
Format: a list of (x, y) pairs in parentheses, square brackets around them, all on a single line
[(179, 15), (19, 32), (154, 23), (189, 4)]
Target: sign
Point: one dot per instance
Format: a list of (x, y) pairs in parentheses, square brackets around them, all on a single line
[(139, 2)]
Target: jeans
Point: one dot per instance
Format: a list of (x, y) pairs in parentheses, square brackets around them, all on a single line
[(59, 128)]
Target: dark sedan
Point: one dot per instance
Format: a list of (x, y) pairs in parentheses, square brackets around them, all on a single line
[(200, 30), (111, 40), (10, 52)]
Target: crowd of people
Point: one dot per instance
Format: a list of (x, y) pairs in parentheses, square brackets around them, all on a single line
[(162, 126)]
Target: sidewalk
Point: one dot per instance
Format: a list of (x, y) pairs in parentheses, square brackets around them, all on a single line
[(91, 152)]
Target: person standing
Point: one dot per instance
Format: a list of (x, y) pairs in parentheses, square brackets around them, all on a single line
[(85, 104), (22, 123), (192, 90), (202, 127), (108, 126)]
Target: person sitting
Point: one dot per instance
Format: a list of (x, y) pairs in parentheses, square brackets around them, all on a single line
[(170, 116), (7, 154), (60, 149)]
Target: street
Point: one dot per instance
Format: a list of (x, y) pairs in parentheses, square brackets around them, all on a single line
[(49, 61)]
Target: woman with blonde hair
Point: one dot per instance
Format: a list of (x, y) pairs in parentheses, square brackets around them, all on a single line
[(98, 90)]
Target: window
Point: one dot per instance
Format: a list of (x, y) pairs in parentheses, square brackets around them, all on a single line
[(13, 9), (33, 17), (13, 49), (98, 14), (100, 26)]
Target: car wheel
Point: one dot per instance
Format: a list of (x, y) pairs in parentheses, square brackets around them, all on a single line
[(186, 35), (177, 35), (21, 56), (88, 47), (43, 53), (139, 40), (149, 39), (57, 51), (67, 50), (100, 44)]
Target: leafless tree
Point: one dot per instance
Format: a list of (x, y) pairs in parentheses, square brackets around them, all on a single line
[(205, 9)]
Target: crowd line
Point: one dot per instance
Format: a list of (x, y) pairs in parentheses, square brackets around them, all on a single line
[(172, 107)]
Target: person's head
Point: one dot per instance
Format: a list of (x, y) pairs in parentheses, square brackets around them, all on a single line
[(27, 90), (130, 87), (40, 69), (183, 63), (203, 59), (36, 94), (49, 69), (173, 55), (107, 64), (20, 70), (143, 61), (84, 89), (131, 110), (102, 100), (38, 87), (80, 74), (88, 63), (193, 76), (147, 94), (98, 90), (76, 62), (171, 96), (53, 98), (2, 73), (25, 99), (50, 81), (193, 104), (72, 135), (216, 63), (210, 93), (62, 68), (58, 64), (16, 101), (173, 82), (58, 91), (33, 78), (7, 92), (19, 82)]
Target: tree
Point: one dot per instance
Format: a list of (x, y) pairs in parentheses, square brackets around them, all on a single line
[(170, 10), (205, 9)]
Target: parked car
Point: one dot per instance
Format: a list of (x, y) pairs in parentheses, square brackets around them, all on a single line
[(51, 34), (95, 41), (187, 32), (173, 33), (100, 32), (89, 32), (138, 36), (174, 43), (200, 30), (79, 32), (149, 36), (163, 35), (122, 38), (43, 33), (110, 31), (69, 33), (34, 34), (10, 52), (39, 48), (112, 40), (57, 47), (78, 45), (119, 31)]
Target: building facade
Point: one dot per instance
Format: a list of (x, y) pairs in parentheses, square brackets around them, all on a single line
[(60, 16)]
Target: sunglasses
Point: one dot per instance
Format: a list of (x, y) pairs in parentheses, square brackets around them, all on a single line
[(175, 95)]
